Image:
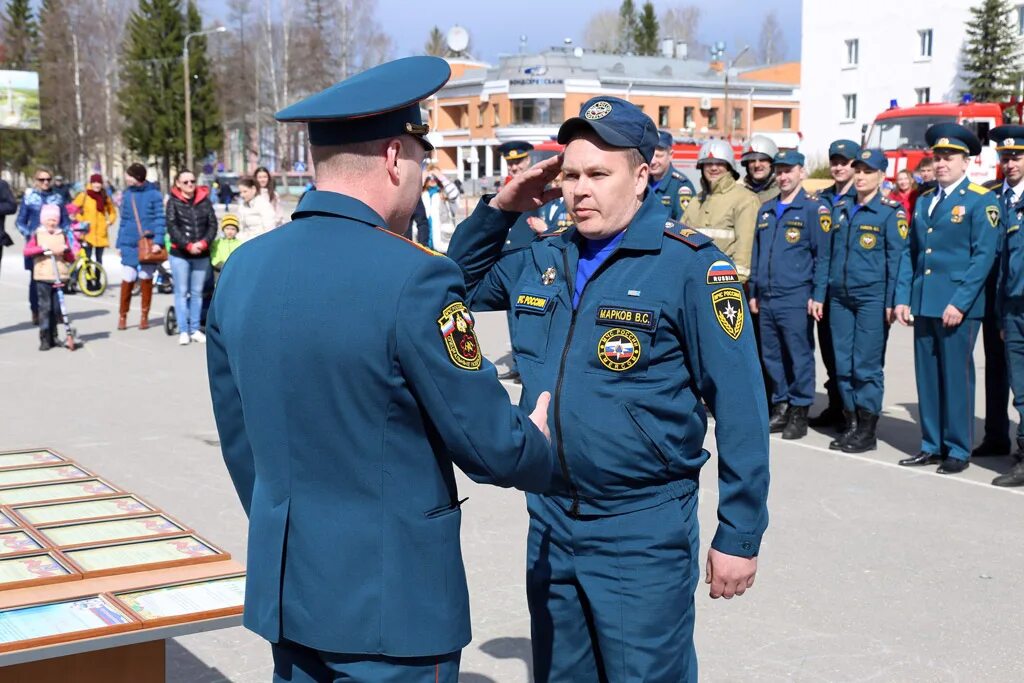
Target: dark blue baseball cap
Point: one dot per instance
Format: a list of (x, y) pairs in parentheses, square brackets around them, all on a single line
[(953, 136), (665, 140), (789, 157), (1009, 138), (848, 149), (617, 122), (873, 159), (378, 103)]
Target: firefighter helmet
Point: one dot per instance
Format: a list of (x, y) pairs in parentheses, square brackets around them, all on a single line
[(720, 151), (758, 147)]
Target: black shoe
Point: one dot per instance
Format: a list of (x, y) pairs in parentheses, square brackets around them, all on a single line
[(1019, 454), (922, 458), (833, 417), (863, 438), (779, 417), (1014, 477), (511, 374), (796, 425), (44, 341), (953, 466), (989, 448), (850, 420), (35, 318)]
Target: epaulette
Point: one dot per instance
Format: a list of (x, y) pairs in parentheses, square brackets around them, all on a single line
[(993, 184), (892, 203), (677, 175), (688, 236), (978, 189), (419, 246), (553, 233), (927, 192), (813, 196)]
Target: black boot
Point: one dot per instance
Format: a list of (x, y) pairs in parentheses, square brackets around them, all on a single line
[(1014, 477), (850, 419), (796, 426), (779, 417), (44, 340), (1019, 455), (864, 438), (990, 447), (831, 417)]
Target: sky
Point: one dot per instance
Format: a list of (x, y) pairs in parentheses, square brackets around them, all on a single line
[(495, 27)]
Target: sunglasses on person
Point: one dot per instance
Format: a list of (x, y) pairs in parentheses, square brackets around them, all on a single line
[(44, 180), (187, 182)]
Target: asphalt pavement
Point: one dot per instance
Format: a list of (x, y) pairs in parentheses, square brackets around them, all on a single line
[(868, 572)]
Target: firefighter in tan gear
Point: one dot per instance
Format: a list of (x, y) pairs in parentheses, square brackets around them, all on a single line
[(723, 209)]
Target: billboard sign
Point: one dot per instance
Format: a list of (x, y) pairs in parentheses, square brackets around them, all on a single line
[(19, 100)]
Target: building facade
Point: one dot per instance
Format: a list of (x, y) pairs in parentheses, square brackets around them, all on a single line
[(527, 97)]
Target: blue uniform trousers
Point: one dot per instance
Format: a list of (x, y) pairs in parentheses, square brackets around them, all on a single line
[(1013, 321), (294, 663), (787, 348), (944, 365), (859, 336), (997, 383), (828, 355), (611, 598)]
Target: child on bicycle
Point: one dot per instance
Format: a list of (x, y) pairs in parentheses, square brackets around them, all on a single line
[(47, 240), (224, 246)]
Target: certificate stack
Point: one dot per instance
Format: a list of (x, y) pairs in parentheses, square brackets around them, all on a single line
[(82, 559)]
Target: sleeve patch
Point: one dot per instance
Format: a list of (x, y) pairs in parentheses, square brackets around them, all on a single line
[(722, 272), (728, 305), (460, 341), (993, 215), (902, 227)]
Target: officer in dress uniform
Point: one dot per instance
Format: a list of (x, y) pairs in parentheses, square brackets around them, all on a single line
[(1010, 280), (869, 243), (345, 385), (630, 329), (955, 235), (841, 154), (673, 188), (758, 161), (791, 242)]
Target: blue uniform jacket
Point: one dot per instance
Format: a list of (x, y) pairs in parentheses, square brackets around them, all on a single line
[(951, 252), (1011, 256), (869, 246), (150, 206), (830, 195), (790, 250), (674, 191), (344, 389), (661, 325)]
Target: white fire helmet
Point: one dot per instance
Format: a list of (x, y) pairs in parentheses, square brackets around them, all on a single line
[(717, 150), (759, 146)]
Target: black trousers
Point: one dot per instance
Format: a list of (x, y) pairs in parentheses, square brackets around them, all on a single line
[(46, 295), (828, 357)]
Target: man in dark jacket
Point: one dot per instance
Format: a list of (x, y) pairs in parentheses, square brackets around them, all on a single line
[(191, 225), (8, 205)]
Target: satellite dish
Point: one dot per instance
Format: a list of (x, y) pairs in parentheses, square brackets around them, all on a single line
[(578, 52), (457, 39)]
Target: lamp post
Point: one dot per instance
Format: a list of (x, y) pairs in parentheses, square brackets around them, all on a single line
[(188, 92), (728, 114)]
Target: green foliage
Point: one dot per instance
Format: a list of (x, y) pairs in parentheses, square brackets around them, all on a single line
[(628, 27), (57, 147), (21, 36), (992, 53), (646, 38), (436, 44), (207, 133)]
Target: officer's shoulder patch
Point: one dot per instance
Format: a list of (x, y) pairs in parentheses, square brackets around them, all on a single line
[(424, 249), (929, 191), (460, 341), (978, 189), (813, 196), (992, 184), (688, 236), (890, 202)]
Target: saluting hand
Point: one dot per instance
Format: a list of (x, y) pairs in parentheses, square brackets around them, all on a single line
[(539, 416), (729, 575), (526, 191)]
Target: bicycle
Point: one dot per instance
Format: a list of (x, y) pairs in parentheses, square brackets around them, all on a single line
[(87, 274)]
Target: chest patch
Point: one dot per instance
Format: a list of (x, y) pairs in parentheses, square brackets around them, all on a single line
[(868, 240), (459, 337), (532, 302), (627, 317), (618, 349), (792, 235)]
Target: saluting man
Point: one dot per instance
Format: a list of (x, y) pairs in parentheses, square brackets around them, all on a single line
[(790, 244), (631, 320), (955, 236), (673, 188), (345, 385)]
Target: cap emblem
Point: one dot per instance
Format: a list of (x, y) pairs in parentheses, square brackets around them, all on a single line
[(865, 155), (942, 141), (1009, 142), (598, 110)]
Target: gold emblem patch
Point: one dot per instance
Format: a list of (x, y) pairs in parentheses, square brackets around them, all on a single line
[(993, 215), (902, 227), (460, 340), (792, 235), (728, 305), (826, 222), (618, 349), (868, 240), (598, 110)]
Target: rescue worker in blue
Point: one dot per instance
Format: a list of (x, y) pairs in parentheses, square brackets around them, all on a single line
[(670, 186), (791, 243), (1010, 279), (955, 235), (841, 154), (345, 385), (631, 320), (869, 242)]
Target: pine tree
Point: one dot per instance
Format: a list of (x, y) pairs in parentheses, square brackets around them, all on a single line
[(207, 133), (992, 54), (58, 147), (646, 38), (21, 37), (436, 44), (628, 27), (152, 91)]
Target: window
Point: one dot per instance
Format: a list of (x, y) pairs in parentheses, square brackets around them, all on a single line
[(737, 118), (852, 52), (687, 117), (787, 119), (663, 116), (539, 111), (713, 118), (924, 95), (497, 114), (903, 132), (850, 106), (480, 109), (925, 38)]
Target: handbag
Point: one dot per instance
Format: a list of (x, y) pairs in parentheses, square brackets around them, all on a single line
[(145, 244)]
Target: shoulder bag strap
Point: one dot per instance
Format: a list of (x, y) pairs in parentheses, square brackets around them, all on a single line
[(138, 223)]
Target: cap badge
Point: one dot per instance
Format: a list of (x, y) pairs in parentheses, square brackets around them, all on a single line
[(1009, 142), (598, 110), (865, 155), (943, 141), (548, 276)]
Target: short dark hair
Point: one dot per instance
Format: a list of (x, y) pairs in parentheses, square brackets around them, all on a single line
[(247, 181), (926, 162), (137, 171)]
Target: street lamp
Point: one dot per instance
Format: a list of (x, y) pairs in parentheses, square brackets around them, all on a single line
[(188, 92), (717, 52)]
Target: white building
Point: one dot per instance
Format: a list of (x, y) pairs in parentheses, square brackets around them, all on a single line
[(855, 62)]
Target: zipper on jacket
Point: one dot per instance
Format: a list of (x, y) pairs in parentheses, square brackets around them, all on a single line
[(846, 259), (771, 252)]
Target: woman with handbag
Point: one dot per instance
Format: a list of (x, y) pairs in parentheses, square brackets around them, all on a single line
[(139, 239), (191, 225)]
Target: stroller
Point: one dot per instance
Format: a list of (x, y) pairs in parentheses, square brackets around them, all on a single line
[(171, 316)]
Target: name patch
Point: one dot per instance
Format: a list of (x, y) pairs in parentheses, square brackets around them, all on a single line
[(532, 302), (627, 317)]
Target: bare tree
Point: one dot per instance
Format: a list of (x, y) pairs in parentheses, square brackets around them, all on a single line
[(682, 23), (771, 43), (601, 33)]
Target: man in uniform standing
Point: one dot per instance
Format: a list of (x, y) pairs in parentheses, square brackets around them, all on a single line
[(758, 158), (955, 235), (673, 188), (345, 385), (630, 328)]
